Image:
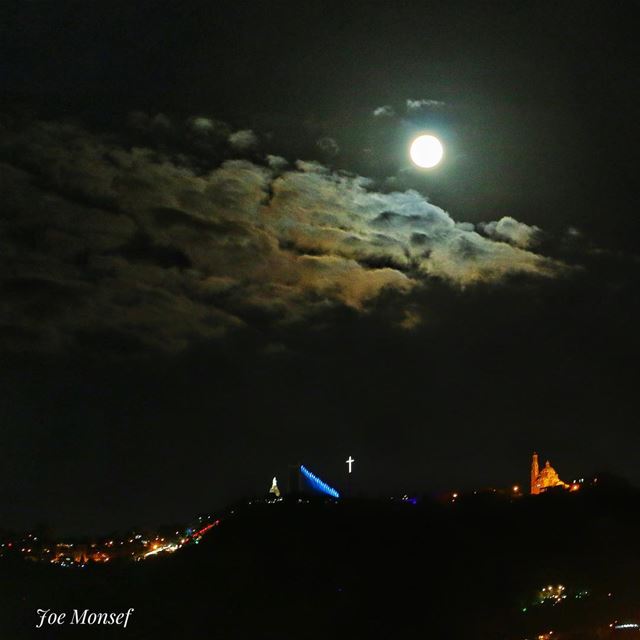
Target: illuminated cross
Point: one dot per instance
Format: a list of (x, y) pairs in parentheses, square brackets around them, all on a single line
[(350, 461)]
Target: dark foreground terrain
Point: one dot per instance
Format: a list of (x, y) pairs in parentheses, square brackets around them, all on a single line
[(363, 569)]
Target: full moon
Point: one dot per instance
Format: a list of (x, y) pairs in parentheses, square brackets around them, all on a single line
[(426, 151)]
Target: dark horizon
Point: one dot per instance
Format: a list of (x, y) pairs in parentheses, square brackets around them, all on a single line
[(603, 486)]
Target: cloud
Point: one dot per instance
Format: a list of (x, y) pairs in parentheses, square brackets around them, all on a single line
[(469, 258), (277, 163), (386, 111), (204, 126), (243, 140), (416, 105), (510, 230), (328, 145), (145, 122), (138, 247)]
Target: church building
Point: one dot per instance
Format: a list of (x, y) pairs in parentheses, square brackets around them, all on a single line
[(541, 480)]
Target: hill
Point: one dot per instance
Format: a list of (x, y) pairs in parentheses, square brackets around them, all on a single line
[(365, 569)]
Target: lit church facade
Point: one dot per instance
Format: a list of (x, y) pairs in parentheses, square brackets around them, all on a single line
[(545, 478)]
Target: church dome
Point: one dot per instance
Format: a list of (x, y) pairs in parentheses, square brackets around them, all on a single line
[(548, 477)]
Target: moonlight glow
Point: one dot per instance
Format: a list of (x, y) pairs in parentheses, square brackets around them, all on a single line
[(426, 151)]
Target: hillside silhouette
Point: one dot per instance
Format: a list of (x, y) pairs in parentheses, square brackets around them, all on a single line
[(365, 569)]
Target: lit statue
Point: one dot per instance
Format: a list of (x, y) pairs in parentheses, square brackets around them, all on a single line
[(274, 488)]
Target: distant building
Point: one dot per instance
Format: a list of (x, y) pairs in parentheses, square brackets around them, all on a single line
[(544, 479)]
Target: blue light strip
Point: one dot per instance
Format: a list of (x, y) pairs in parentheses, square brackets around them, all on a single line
[(317, 483)]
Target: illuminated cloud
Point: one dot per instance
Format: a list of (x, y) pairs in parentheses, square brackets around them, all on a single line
[(512, 231), (139, 248), (386, 111), (207, 126), (416, 105), (243, 139), (277, 163)]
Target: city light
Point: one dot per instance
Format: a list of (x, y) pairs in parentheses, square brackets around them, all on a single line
[(553, 594), (132, 546)]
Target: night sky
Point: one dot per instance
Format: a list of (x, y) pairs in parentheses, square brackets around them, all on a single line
[(217, 258)]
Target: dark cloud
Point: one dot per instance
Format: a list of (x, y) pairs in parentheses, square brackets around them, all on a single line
[(145, 122), (328, 145), (147, 244)]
